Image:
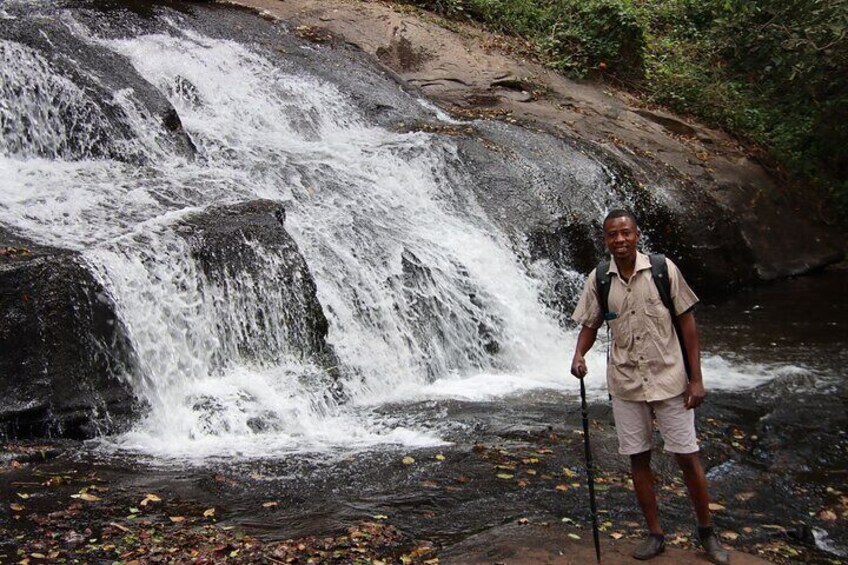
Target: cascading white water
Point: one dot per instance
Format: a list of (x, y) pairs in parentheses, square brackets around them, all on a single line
[(408, 268)]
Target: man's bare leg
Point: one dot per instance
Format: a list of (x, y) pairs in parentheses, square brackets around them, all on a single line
[(696, 484), (643, 484)]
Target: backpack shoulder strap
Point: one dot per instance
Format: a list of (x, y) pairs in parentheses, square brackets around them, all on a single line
[(602, 280), (659, 272)]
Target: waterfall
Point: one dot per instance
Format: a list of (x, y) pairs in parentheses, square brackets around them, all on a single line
[(424, 295)]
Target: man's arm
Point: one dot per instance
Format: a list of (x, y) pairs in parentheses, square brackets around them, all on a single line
[(695, 391), (584, 343)]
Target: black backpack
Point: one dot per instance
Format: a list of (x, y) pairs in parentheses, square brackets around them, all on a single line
[(659, 274)]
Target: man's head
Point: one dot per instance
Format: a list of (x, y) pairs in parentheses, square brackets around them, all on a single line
[(621, 234)]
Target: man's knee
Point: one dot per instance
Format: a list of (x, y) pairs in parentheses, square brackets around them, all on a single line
[(688, 462), (641, 460)]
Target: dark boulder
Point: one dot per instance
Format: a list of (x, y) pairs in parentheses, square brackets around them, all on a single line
[(62, 351), (234, 246)]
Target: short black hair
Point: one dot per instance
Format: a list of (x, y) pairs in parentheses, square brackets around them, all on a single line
[(620, 213)]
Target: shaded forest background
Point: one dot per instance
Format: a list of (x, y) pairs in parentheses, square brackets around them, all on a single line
[(773, 73)]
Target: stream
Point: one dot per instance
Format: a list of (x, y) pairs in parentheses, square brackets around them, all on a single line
[(447, 409)]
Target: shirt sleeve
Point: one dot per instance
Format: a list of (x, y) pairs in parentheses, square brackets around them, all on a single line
[(588, 311), (682, 296)]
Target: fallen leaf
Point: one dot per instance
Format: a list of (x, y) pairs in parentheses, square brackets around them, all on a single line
[(85, 496), (828, 515), (561, 488), (177, 519), (380, 517), (120, 527), (573, 536), (744, 496), (408, 460), (716, 507), (269, 504), (150, 498), (23, 495), (209, 513), (616, 535), (440, 457), (16, 507), (729, 535), (504, 476), (523, 521), (568, 472)]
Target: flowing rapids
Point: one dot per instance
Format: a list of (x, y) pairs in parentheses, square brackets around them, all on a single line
[(424, 296)]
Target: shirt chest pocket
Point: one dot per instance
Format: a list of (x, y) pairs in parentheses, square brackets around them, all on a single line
[(658, 317), (655, 308)]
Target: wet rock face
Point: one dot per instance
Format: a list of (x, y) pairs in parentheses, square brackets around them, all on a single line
[(62, 352), (60, 92), (700, 196), (64, 356), (232, 245), (551, 194)]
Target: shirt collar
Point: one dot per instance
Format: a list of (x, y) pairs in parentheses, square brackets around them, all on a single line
[(642, 262)]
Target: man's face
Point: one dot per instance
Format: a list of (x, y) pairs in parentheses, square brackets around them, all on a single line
[(621, 236)]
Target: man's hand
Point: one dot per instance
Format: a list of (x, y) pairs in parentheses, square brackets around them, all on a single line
[(584, 342), (694, 395), (578, 366)]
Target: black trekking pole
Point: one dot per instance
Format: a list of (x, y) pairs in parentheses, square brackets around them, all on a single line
[(589, 471)]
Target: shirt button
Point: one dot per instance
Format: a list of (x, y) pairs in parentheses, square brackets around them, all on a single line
[(633, 311), (638, 338), (629, 289)]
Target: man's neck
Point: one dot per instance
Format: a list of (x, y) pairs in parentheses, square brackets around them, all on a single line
[(626, 267)]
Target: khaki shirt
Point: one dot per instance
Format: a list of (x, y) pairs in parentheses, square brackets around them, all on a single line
[(646, 363)]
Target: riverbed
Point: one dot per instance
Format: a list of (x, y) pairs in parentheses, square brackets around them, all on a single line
[(776, 456)]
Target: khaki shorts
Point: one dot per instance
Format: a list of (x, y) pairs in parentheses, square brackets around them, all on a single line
[(635, 429)]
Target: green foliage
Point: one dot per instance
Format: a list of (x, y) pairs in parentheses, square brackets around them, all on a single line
[(573, 36), (772, 71)]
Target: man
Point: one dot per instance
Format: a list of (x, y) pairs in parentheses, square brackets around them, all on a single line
[(646, 375)]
